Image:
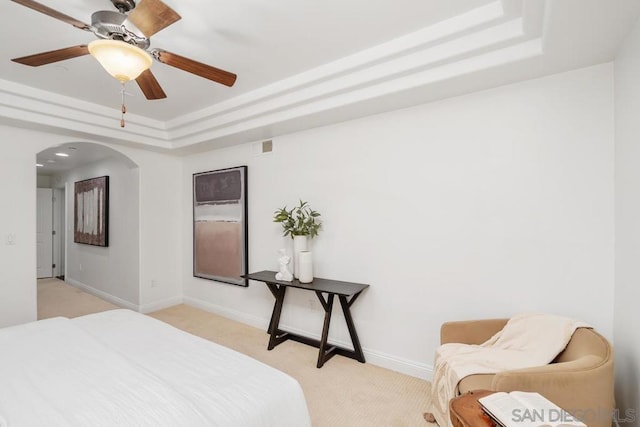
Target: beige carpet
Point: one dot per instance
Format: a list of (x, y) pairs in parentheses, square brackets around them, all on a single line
[(343, 392), (56, 298)]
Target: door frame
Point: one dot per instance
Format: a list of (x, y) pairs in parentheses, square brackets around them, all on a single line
[(44, 267), (59, 228)]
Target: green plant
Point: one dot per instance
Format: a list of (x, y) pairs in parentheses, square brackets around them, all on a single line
[(300, 220)]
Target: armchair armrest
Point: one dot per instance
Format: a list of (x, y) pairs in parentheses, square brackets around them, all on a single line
[(584, 386), (470, 331)]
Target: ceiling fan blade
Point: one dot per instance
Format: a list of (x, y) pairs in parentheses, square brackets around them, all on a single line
[(151, 16), (189, 65), (150, 86), (53, 56), (53, 13)]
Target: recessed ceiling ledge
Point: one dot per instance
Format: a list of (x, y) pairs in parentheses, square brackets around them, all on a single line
[(457, 49), (521, 51), (474, 19)]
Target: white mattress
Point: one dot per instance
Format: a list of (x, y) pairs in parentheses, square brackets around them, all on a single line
[(121, 368)]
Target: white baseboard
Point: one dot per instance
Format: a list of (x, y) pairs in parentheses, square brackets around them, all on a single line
[(247, 319), (161, 304), (101, 294), (145, 308), (398, 364), (375, 357), (378, 358)]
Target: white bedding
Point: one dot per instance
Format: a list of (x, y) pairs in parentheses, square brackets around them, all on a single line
[(121, 368)]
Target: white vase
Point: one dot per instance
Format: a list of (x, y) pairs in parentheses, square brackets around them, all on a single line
[(305, 266), (299, 244)]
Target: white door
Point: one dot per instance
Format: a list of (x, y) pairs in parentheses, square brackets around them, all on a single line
[(44, 232)]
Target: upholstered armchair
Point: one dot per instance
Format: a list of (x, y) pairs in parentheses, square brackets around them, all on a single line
[(580, 379)]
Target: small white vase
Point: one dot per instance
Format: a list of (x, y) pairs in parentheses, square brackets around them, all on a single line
[(305, 266), (299, 244)]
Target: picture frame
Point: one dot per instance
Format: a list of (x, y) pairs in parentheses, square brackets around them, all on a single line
[(91, 211), (220, 229)]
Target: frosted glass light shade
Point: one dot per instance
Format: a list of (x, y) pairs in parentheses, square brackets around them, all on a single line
[(122, 60)]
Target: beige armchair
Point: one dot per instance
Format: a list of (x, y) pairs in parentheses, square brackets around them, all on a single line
[(580, 379)]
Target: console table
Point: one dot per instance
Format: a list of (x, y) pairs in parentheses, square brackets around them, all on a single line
[(347, 293)]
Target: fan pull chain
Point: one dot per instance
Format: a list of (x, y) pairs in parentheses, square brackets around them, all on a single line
[(124, 108)]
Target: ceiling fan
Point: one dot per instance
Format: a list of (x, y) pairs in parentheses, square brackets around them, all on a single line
[(133, 25)]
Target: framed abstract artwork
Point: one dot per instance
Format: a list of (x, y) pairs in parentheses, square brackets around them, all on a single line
[(220, 232), (91, 211)]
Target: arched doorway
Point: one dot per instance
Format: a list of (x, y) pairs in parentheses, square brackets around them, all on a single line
[(112, 271)]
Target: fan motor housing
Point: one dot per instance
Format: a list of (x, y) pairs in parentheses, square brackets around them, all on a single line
[(115, 26), (124, 5)]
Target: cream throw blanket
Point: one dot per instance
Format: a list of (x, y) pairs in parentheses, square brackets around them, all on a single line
[(526, 341)]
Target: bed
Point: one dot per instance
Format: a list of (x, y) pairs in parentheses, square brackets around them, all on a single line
[(122, 368)]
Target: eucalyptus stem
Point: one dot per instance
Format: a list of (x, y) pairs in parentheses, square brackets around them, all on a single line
[(300, 220)]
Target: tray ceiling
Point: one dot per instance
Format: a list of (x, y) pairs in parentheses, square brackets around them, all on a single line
[(300, 64)]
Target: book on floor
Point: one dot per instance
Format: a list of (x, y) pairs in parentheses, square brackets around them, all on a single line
[(526, 409)]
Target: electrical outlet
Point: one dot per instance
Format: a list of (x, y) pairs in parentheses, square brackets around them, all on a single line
[(154, 283), (80, 267), (311, 303)]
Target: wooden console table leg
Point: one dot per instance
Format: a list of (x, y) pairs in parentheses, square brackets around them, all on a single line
[(275, 316), (351, 326), (328, 308), (274, 290)]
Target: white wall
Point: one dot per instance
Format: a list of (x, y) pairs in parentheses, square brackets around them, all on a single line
[(159, 226), (160, 229), (627, 294), (159, 219), (18, 218), (43, 181), (111, 270), (484, 205)]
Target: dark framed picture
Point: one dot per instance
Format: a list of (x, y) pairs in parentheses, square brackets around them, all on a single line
[(91, 211), (220, 232)]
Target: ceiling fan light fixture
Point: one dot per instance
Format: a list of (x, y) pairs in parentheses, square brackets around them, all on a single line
[(122, 60)]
